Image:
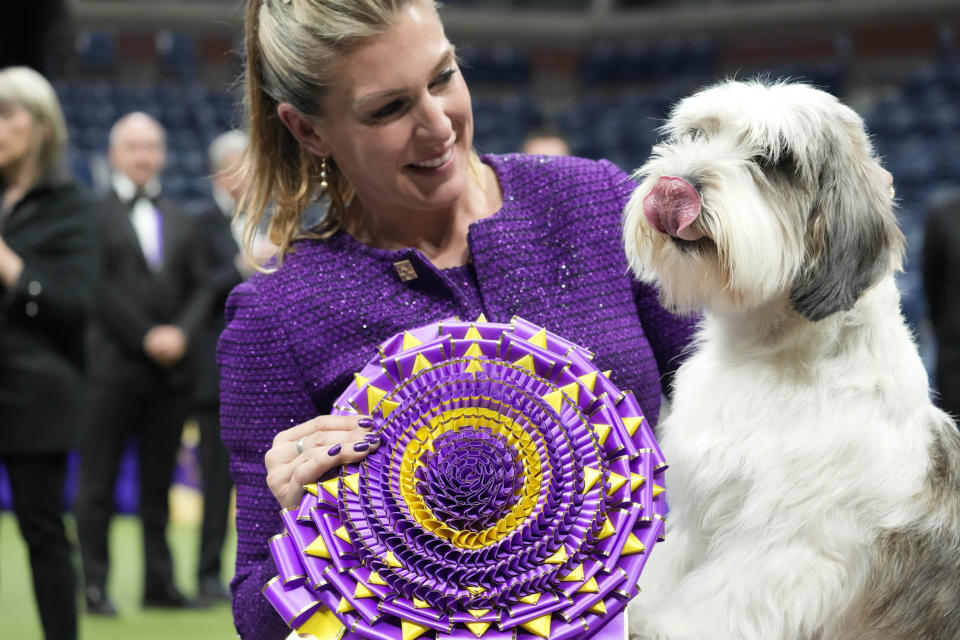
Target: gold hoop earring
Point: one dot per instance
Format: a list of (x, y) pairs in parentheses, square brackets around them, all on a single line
[(323, 174)]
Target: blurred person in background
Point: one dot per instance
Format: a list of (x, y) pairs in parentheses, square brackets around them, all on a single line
[(362, 102), (48, 273), (148, 311), (219, 238), (941, 280), (546, 141)]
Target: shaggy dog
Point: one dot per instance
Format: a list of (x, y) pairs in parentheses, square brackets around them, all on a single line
[(814, 488)]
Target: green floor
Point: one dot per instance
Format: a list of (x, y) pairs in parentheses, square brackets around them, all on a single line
[(18, 613)]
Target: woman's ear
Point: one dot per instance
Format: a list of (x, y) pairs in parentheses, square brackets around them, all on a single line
[(302, 129)]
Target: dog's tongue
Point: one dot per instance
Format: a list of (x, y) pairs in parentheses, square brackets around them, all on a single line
[(672, 207)]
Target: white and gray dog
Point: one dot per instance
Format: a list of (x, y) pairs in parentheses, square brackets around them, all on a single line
[(814, 488)]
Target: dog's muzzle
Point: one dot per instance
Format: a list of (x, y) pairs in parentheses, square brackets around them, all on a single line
[(672, 206)]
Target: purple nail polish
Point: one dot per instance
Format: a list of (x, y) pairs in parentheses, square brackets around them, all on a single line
[(365, 423), (372, 438), (334, 450), (361, 446)]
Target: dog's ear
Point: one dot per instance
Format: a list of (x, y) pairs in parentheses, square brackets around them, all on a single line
[(852, 238)]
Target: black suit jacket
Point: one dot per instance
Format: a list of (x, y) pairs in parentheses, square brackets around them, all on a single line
[(42, 318), (218, 250), (134, 298), (941, 279)]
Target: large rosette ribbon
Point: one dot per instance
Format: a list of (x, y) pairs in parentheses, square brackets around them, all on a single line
[(517, 495)]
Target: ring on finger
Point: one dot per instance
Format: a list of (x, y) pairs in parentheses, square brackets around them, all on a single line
[(300, 445)]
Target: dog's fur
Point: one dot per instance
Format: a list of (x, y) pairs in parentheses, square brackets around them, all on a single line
[(814, 488)]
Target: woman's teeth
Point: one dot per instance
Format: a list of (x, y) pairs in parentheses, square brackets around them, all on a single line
[(431, 164)]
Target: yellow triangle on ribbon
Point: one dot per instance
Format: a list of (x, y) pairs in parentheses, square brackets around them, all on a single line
[(410, 341), (606, 374), (533, 598), (342, 534), (631, 424), (539, 627), (374, 396), (632, 546), (475, 590), (607, 530), (344, 606), (616, 481), (559, 557), (590, 586), (318, 548), (321, 625), (603, 431), (473, 334), (589, 380), (636, 480), (411, 630), (576, 575), (420, 363), (362, 591), (590, 477), (554, 399), (598, 608), (481, 318), (375, 578), (311, 488), (353, 481), (539, 339), (391, 560), (572, 390), (526, 362), (360, 380), (332, 485), (478, 628), (388, 406), (473, 351), (657, 490), (478, 613), (474, 366), (420, 604)]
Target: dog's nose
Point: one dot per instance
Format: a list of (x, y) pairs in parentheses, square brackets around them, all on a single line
[(672, 206)]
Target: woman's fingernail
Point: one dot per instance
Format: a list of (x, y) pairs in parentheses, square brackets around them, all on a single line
[(361, 446), (365, 423), (372, 438), (334, 450)]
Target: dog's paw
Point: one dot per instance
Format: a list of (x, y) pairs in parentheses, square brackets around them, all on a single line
[(648, 625)]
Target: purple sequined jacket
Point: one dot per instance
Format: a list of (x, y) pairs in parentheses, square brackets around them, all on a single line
[(295, 337)]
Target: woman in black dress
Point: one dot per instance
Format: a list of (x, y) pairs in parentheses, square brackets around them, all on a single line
[(48, 271)]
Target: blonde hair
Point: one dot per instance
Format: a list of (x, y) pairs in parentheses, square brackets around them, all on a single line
[(28, 89), (292, 48)]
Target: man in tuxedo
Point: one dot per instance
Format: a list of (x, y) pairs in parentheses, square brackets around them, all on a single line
[(149, 309), (219, 239)]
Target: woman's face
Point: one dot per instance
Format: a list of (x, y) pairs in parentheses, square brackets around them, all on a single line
[(17, 135), (400, 124)]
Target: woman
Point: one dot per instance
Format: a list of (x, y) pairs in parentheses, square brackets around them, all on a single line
[(47, 277), (363, 101)]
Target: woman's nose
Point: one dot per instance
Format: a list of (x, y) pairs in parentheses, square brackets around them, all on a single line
[(434, 121)]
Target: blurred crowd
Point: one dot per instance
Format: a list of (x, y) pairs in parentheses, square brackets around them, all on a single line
[(111, 310)]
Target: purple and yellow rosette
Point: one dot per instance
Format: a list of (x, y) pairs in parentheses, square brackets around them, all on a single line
[(517, 495)]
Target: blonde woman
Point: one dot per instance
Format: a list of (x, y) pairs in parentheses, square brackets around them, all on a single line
[(48, 269), (362, 102)]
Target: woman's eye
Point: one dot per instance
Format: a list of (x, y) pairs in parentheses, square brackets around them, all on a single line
[(444, 77), (387, 110)]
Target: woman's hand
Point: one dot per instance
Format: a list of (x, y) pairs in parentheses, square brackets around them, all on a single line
[(324, 442)]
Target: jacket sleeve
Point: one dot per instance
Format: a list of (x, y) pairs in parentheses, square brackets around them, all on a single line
[(670, 335), (213, 274), (261, 393), (57, 287)]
